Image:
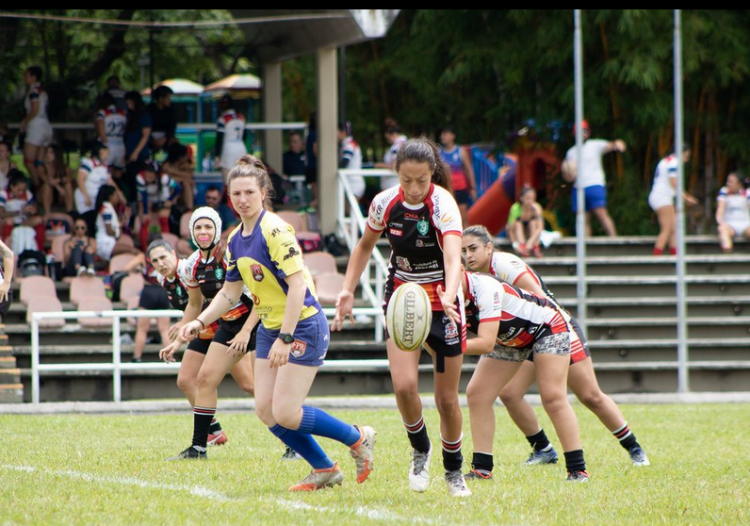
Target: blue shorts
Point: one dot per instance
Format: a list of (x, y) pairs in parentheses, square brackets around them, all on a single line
[(595, 197), (311, 339)]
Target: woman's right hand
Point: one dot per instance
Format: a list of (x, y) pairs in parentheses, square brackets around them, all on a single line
[(174, 331), (344, 308), (191, 330), (87, 200), (167, 353)]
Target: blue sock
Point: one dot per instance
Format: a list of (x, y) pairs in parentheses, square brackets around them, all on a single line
[(317, 422), (305, 445)]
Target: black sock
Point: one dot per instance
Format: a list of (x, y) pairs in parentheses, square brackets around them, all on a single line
[(482, 462), (418, 435), (452, 457), (202, 417), (574, 460), (538, 441), (626, 437), (215, 427)]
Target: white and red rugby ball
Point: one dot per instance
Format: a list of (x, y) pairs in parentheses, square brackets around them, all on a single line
[(409, 317)]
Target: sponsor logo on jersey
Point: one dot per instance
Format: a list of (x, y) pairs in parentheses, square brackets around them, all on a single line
[(423, 227), (257, 272), (396, 232), (411, 217), (403, 263), (219, 273), (298, 348), (292, 253), (256, 300)]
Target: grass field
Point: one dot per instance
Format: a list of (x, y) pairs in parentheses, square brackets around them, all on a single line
[(110, 470)]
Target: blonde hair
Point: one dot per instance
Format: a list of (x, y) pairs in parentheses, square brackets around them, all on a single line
[(250, 166)]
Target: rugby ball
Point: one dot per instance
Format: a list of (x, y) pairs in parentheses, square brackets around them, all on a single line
[(409, 317)]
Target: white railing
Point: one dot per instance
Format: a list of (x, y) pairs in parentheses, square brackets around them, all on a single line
[(350, 227), (116, 366)]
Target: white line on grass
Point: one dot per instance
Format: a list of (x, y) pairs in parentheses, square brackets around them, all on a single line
[(125, 481), (362, 511)]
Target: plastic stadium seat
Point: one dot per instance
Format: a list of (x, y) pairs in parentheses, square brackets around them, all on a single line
[(131, 286), (37, 287), (293, 218), (119, 262), (86, 286), (320, 263), (328, 286), (45, 304), (126, 240), (58, 242), (94, 303), (170, 238)]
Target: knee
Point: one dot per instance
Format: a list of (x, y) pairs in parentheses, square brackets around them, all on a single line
[(477, 396), (405, 390), (185, 384), (286, 416), (265, 413), (205, 381), (554, 401), (509, 397), (247, 385), (592, 399), (447, 404)]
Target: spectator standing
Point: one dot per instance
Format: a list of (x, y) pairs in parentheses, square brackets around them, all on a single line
[(36, 125), (462, 172)]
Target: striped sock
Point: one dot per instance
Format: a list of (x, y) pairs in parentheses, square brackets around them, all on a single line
[(418, 435), (626, 437), (215, 427), (202, 417), (452, 457)]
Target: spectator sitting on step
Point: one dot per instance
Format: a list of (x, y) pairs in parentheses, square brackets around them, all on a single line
[(733, 212), (108, 225), (6, 274), (158, 193), (525, 224), (180, 168), (18, 208), (5, 163), (79, 251)]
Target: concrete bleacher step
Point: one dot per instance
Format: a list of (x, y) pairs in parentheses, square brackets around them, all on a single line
[(721, 264), (656, 328), (659, 307)]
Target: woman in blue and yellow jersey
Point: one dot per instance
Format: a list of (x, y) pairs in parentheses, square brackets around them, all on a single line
[(263, 255)]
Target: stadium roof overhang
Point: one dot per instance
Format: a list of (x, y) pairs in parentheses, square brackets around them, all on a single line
[(288, 33)]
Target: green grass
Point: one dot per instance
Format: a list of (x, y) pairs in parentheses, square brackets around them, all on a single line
[(111, 470)]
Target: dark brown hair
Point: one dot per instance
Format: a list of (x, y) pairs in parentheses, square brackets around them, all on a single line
[(250, 166), (480, 232), (423, 150)]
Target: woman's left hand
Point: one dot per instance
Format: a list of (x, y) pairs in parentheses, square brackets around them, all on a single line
[(473, 194), (449, 306), (279, 355), (238, 344), (4, 287)]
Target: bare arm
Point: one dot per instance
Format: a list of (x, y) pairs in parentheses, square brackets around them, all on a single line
[(145, 135), (452, 259), (295, 299), (82, 175), (8, 268), (227, 298), (720, 209), (485, 339), (100, 130), (616, 146), (136, 263), (33, 113)]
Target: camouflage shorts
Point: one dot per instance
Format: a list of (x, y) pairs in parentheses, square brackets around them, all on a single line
[(558, 344)]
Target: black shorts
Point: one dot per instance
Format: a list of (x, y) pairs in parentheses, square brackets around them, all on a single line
[(462, 197), (153, 297), (225, 332), (311, 175), (445, 338)]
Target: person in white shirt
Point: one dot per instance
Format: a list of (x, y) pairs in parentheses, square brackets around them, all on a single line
[(591, 176), (110, 123), (92, 175), (395, 138), (108, 228), (35, 125), (661, 201), (350, 157), (230, 136), (733, 212)]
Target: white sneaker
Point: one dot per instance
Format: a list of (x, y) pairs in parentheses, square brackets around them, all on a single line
[(81, 271), (456, 484), (90, 271), (419, 471)]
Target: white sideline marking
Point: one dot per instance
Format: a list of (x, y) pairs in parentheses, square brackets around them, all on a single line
[(362, 511), (125, 481)]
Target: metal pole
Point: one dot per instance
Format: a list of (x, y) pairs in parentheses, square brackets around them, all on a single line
[(581, 214), (683, 374), (342, 84), (116, 360), (34, 360), (151, 62)]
